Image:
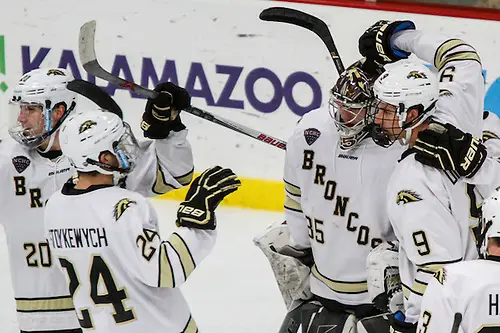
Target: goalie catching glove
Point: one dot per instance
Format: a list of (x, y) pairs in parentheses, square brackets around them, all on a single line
[(448, 148), (162, 113), (204, 195), (375, 43)]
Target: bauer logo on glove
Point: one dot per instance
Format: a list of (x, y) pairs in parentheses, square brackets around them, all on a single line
[(204, 195)]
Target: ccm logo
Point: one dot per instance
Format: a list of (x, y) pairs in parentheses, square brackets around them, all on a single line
[(470, 154), (191, 211)]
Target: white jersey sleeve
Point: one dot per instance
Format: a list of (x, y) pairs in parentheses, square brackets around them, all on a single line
[(437, 314), (431, 224), (470, 288), (157, 262), (294, 216), (163, 166), (461, 81), (487, 179)]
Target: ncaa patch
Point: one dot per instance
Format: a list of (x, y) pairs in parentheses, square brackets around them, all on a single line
[(311, 135), (21, 163)]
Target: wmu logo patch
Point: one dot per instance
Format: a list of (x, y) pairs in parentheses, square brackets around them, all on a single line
[(416, 75), (406, 196), (21, 163), (440, 275), (55, 72), (122, 206), (311, 135), (86, 125)]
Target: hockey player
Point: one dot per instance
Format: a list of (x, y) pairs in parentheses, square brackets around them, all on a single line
[(334, 177), (123, 276), (32, 168), (448, 148), (428, 209), (469, 288)]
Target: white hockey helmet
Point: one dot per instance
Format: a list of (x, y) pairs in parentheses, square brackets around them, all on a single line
[(490, 221), (32, 102), (85, 135), (406, 85)]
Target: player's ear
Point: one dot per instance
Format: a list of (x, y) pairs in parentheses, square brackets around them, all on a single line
[(58, 112), (411, 114), (107, 158)]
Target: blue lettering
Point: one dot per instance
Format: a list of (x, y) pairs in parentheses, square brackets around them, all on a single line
[(169, 73), (68, 58), (264, 73), (121, 64), (196, 72), (29, 64), (308, 79), (225, 100)]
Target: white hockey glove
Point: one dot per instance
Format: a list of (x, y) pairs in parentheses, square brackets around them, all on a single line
[(291, 266), (384, 283)]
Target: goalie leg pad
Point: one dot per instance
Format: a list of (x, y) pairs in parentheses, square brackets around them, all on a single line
[(374, 324), (311, 317), (291, 274)]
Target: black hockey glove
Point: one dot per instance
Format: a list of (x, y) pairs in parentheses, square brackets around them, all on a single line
[(375, 43), (448, 148), (399, 326), (162, 113), (204, 195)]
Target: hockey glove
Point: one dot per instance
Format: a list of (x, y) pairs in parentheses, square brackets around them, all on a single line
[(398, 325), (448, 148), (203, 197), (162, 113), (375, 43), (384, 283)]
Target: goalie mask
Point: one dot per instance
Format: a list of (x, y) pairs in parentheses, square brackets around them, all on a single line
[(349, 101), (489, 222), (403, 87), (33, 105), (85, 136)]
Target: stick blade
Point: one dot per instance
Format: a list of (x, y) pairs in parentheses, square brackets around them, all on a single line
[(289, 15), (86, 46)]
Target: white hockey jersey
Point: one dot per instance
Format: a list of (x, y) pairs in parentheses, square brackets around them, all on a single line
[(487, 179), (461, 81), (428, 211), (28, 180), (430, 217), (471, 288), (123, 277), (335, 205)]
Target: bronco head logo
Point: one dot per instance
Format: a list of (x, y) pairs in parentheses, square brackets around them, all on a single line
[(86, 125), (121, 207), (55, 72), (416, 75)]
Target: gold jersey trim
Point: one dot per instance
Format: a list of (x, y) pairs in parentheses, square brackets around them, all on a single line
[(341, 287)]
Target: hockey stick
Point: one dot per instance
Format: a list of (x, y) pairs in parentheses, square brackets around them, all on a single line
[(456, 322), (91, 65), (304, 20), (96, 95)]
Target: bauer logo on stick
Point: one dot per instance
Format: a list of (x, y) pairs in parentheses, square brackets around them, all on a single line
[(311, 135)]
